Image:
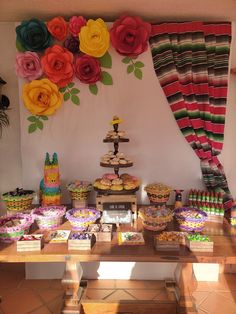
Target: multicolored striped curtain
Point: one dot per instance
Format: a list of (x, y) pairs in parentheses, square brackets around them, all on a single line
[(191, 62)]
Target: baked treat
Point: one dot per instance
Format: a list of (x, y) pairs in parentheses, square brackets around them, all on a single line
[(110, 176), (105, 182), (117, 187), (117, 181)]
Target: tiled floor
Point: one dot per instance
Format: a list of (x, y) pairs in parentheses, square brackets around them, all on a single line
[(20, 296)]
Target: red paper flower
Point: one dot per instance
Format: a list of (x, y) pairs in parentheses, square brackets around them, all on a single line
[(87, 69), (58, 28), (129, 35), (75, 24), (57, 64)]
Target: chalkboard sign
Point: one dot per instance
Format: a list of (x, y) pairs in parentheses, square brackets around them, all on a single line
[(117, 206)]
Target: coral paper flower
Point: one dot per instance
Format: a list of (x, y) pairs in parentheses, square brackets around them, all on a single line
[(129, 35), (28, 65), (58, 28), (41, 97), (87, 69), (94, 38), (33, 35), (75, 24), (57, 64)]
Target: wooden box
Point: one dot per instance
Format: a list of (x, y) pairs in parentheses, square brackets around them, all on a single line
[(102, 232), (215, 218), (30, 243), (199, 246), (173, 244), (81, 244)]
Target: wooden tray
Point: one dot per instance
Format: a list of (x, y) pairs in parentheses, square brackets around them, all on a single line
[(115, 140), (111, 192), (199, 246), (116, 166)]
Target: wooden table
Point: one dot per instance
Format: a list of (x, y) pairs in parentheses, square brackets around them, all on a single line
[(224, 253)]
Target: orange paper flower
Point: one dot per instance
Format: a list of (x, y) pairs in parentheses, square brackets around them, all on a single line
[(58, 28), (57, 64)]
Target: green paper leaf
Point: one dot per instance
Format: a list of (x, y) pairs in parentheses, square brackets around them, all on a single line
[(106, 78), (130, 68), (75, 99), (32, 119), (126, 60), (70, 85), (19, 47), (32, 128), (75, 91), (93, 89), (138, 73), (40, 124), (106, 61), (66, 96), (139, 64), (43, 117), (62, 89)]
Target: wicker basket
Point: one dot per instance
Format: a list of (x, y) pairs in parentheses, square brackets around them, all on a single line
[(79, 190), (81, 218), (158, 193), (13, 233), (153, 219), (190, 219), (49, 217), (18, 203)]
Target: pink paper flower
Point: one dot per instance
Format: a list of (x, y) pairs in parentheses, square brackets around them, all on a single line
[(75, 24), (28, 65)]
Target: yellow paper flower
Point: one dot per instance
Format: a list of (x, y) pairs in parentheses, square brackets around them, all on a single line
[(94, 38), (41, 97)]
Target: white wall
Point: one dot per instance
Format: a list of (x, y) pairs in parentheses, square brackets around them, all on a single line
[(158, 148)]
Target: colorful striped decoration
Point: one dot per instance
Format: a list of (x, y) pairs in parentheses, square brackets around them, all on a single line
[(191, 61)]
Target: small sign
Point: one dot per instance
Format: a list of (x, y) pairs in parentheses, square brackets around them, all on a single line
[(118, 206)]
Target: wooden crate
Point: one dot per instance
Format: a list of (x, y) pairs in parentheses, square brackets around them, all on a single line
[(167, 245), (85, 244), (23, 244), (102, 236), (128, 306), (215, 218), (200, 246), (79, 203)]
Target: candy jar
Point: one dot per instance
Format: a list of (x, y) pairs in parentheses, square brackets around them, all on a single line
[(178, 198)]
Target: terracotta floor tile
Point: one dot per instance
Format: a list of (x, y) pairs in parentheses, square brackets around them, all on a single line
[(41, 310), (39, 284), (130, 284), (143, 294), (200, 296), (56, 284), (10, 280), (20, 302), (13, 267), (98, 294), (216, 304), (203, 286), (200, 311), (50, 294), (4, 292), (154, 284), (120, 295), (231, 295), (55, 306), (101, 284)]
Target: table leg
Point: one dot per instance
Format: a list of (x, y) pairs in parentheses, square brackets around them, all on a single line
[(185, 287), (71, 282)]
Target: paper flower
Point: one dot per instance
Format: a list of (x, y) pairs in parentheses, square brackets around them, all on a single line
[(75, 24), (57, 64), (58, 28), (72, 44), (129, 35), (33, 35), (28, 65), (41, 97), (94, 38), (87, 69)]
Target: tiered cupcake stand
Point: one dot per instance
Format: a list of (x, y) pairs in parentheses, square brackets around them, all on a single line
[(117, 202)]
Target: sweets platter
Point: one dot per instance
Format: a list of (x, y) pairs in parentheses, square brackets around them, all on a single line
[(110, 192)]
